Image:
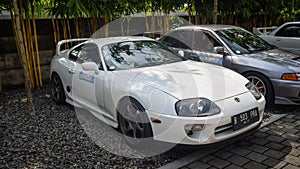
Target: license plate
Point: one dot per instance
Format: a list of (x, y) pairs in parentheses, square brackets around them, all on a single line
[(244, 119)]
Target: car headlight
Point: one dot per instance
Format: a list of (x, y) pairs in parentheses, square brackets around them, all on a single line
[(196, 107), (254, 91)]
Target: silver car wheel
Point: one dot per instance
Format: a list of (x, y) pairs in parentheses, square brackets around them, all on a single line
[(259, 84)]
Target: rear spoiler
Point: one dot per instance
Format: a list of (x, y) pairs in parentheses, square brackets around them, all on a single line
[(263, 30), (58, 52)]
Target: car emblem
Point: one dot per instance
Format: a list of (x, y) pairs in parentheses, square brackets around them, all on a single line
[(237, 99)]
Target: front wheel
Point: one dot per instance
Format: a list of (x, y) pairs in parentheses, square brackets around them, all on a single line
[(263, 85), (134, 123)]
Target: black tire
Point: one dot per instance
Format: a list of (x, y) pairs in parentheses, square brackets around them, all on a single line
[(57, 89), (263, 84), (134, 123)]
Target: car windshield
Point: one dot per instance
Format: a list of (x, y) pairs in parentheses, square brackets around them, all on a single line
[(243, 42), (134, 54)]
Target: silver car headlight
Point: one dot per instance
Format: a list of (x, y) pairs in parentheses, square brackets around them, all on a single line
[(196, 107), (254, 91)]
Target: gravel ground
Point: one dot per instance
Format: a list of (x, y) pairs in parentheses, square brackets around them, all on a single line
[(54, 137)]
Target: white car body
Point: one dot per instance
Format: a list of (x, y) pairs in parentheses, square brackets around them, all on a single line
[(157, 89), (286, 36)]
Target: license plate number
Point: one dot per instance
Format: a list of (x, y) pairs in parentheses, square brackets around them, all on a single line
[(244, 119)]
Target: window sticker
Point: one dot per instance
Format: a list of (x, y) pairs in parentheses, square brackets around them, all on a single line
[(86, 77), (202, 58)]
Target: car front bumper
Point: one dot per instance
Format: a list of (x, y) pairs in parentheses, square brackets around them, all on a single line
[(286, 92), (215, 128)]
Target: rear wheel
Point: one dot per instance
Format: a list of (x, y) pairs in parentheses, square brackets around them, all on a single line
[(263, 85), (57, 91), (134, 123)]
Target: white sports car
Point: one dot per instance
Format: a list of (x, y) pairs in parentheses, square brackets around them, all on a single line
[(146, 90)]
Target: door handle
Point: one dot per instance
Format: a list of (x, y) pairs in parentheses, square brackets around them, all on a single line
[(71, 71), (278, 40)]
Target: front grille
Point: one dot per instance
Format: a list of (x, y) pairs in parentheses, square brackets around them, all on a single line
[(224, 128)]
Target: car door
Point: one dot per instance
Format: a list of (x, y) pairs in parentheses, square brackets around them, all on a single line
[(288, 37), (87, 86)]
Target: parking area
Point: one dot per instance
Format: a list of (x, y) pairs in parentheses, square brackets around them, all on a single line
[(55, 139), (276, 145)]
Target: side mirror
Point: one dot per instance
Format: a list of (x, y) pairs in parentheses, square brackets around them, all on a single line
[(90, 66), (218, 49), (181, 53)]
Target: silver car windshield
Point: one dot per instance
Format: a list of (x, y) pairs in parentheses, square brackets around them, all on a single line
[(134, 54), (243, 42)]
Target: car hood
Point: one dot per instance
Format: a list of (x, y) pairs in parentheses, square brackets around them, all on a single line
[(278, 57), (188, 79)]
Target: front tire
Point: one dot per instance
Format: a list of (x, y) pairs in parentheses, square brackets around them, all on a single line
[(263, 85), (57, 89), (134, 123)]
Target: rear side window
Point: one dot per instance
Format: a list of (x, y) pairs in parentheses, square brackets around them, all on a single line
[(74, 53), (179, 39)]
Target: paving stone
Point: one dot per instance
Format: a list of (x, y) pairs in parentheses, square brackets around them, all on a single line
[(289, 166), (198, 165), (218, 163), (278, 122), (291, 136), (275, 138), (278, 132), (184, 168), (274, 145), (291, 143), (292, 160), (260, 134), (241, 151), (291, 116), (265, 129), (281, 164), (274, 154), (256, 157), (223, 154), (290, 131), (289, 125), (230, 147), (289, 120), (254, 165), (260, 141), (233, 166), (287, 150), (238, 160), (295, 152), (258, 148), (271, 162), (207, 158)]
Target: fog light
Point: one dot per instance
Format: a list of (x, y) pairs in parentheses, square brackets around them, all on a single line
[(194, 127)]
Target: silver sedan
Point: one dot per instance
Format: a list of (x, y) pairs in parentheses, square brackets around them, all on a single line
[(275, 72)]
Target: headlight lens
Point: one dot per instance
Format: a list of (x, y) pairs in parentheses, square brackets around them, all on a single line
[(254, 91), (196, 107)]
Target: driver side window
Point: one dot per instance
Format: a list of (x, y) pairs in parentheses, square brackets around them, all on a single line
[(88, 52)]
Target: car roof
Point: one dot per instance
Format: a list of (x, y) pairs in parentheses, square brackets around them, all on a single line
[(214, 27), (110, 40)]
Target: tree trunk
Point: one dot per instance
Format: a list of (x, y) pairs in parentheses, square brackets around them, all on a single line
[(30, 104), (215, 12)]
